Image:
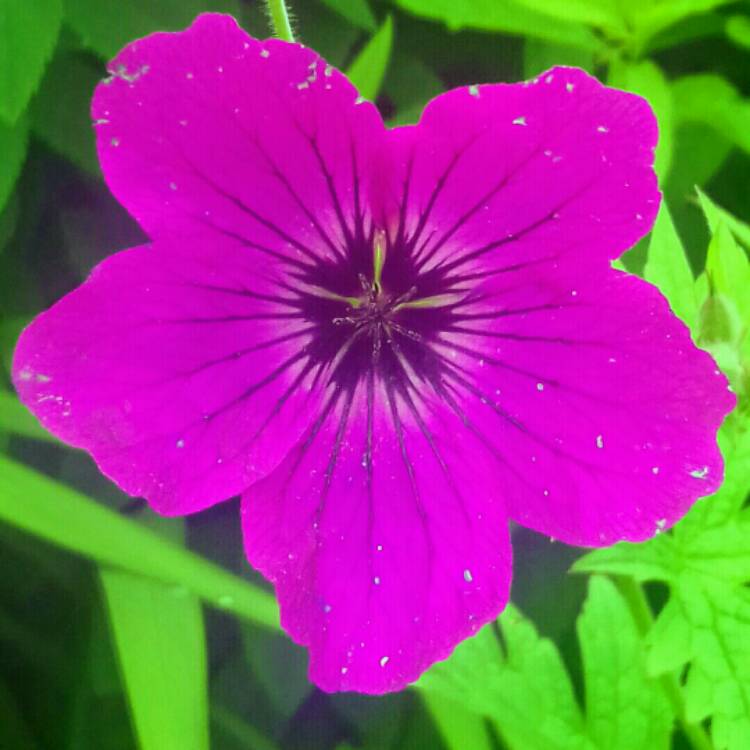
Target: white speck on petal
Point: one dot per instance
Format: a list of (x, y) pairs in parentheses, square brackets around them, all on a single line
[(467, 576), (189, 76), (602, 129), (379, 548), (474, 90), (360, 100), (376, 580), (654, 470), (344, 670), (569, 87), (265, 53), (173, 186), (327, 608), (180, 443), (328, 71), (303, 85), (599, 441), (639, 217), (700, 473), (384, 660), (114, 142), (548, 79), (545, 493), (540, 386), (661, 523), (519, 120)]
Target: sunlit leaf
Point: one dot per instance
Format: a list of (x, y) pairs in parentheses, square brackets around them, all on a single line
[(646, 79), (160, 641), (625, 708), (667, 266), (738, 30), (16, 419), (369, 67), (459, 727), (603, 14), (503, 15), (712, 100)]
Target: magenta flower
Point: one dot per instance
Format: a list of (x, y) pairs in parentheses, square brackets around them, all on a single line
[(391, 342)]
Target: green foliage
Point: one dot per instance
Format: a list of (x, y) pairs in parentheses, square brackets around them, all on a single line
[(519, 682), (160, 641), (28, 31), (105, 26), (357, 12), (667, 266), (502, 15), (646, 79), (59, 515), (617, 677), (369, 67)]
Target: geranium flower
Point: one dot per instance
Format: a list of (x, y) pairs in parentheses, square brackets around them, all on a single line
[(391, 342)]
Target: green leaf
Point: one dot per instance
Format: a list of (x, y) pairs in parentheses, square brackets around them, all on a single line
[(459, 727), (728, 270), (369, 67), (669, 640), (647, 18), (604, 14), (159, 636), (357, 12), (712, 100), (410, 84), (652, 560), (718, 681), (105, 26), (52, 511), (13, 149), (647, 80), (503, 15), (525, 691), (738, 30), (28, 33), (15, 418), (716, 214), (667, 266), (540, 55), (625, 708)]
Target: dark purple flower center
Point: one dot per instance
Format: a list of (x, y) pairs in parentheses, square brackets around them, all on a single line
[(374, 312)]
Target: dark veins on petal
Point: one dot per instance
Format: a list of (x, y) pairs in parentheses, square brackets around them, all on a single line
[(374, 308)]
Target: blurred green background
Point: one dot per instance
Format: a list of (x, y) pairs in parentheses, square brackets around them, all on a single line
[(122, 630)]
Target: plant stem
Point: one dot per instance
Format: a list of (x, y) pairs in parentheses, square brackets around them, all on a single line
[(280, 20), (644, 619)]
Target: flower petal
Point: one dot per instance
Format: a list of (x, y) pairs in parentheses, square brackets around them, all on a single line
[(560, 164), (180, 367), (593, 398), (212, 131), (385, 546)]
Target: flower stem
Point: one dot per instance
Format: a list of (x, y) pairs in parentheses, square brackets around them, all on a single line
[(639, 607), (279, 15)]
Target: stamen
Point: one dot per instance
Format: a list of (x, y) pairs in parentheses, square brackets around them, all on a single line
[(379, 247)]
